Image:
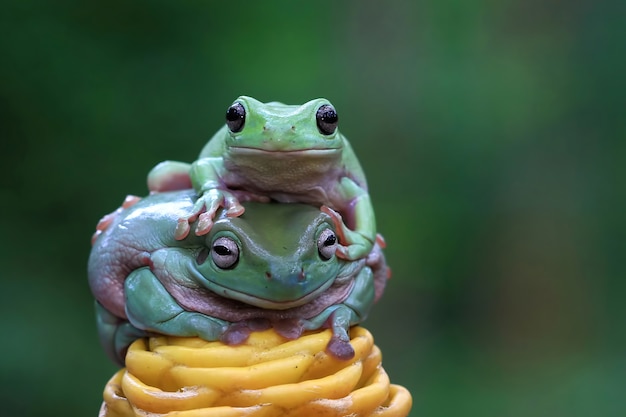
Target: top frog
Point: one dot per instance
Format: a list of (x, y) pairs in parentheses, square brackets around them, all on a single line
[(273, 151)]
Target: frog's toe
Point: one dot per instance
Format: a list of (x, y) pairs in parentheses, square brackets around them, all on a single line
[(335, 217), (353, 252), (342, 252), (289, 328), (236, 334), (205, 223), (231, 204), (380, 240), (235, 211), (182, 229)]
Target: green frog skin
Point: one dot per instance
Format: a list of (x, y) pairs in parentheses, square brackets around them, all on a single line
[(284, 153), (273, 266)]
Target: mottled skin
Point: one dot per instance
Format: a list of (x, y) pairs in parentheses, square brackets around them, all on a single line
[(286, 274), (281, 152)]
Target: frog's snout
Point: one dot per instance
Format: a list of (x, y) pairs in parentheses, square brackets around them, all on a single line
[(292, 276), (278, 137)]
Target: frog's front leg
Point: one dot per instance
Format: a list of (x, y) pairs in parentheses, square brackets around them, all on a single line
[(359, 242), (115, 334), (150, 307), (341, 317), (339, 345), (205, 178)]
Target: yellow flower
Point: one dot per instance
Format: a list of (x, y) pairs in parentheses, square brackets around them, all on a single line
[(267, 376)]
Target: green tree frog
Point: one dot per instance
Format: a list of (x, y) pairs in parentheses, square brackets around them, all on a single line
[(274, 266), (278, 152)]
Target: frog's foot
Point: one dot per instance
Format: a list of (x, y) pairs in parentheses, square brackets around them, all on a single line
[(289, 328), (339, 345), (352, 245), (204, 211), (169, 176), (237, 333), (106, 220)]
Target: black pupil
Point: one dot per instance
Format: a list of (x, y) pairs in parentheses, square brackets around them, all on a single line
[(221, 250), (329, 115), (233, 114), (330, 240)]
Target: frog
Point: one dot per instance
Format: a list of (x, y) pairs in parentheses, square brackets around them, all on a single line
[(274, 266), (276, 152)]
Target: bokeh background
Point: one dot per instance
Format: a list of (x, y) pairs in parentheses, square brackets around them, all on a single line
[(492, 133)]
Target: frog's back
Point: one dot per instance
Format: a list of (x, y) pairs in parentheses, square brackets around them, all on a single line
[(127, 242)]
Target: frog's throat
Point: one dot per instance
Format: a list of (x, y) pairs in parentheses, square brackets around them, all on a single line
[(260, 302)]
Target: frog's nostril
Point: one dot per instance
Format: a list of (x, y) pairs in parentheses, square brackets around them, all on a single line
[(268, 275), (301, 275)]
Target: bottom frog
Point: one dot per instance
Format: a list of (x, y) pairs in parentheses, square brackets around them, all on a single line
[(275, 266)]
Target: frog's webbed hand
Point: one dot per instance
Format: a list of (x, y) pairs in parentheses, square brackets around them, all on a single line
[(351, 311), (205, 176), (204, 211), (341, 317), (358, 242), (150, 307), (353, 245), (339, 345)]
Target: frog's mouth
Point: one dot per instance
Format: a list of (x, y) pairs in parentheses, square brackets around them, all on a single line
[(259, 152), (261, 302), (272, 303), (237, 306)]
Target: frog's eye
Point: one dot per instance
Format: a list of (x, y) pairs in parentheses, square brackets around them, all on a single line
[(327, 244), (225, 252), (235, 117), (327, 119)]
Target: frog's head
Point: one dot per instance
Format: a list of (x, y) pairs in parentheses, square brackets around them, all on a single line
[(274, 256), (275, 127)]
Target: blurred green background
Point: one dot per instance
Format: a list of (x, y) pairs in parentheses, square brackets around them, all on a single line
[(492, 134)]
